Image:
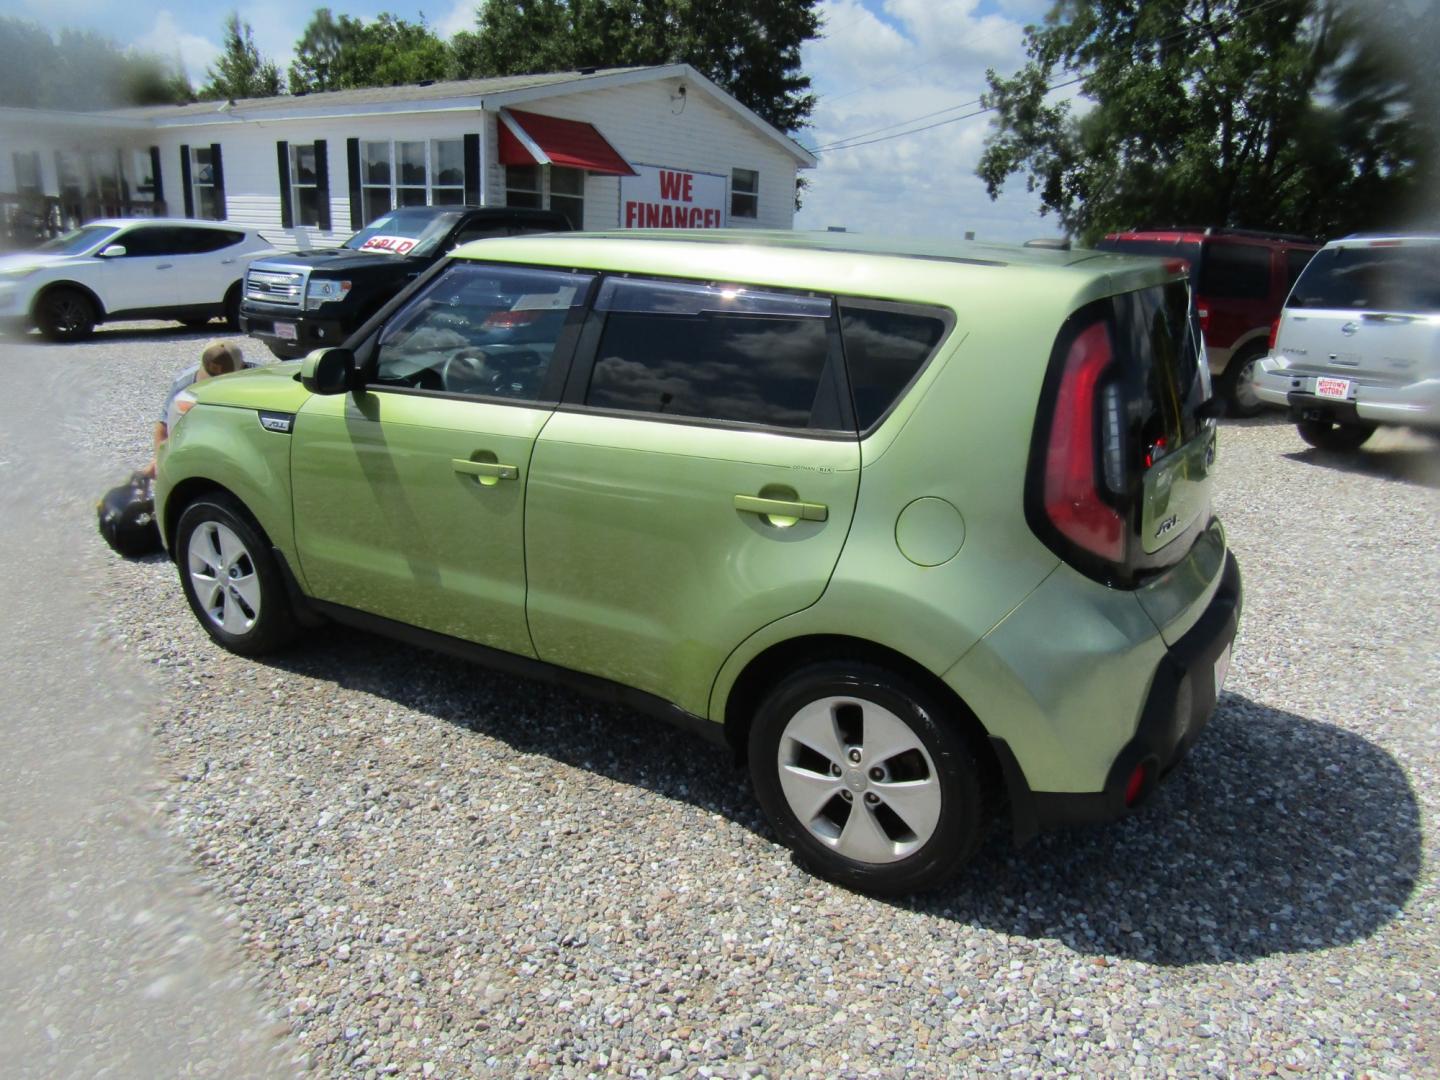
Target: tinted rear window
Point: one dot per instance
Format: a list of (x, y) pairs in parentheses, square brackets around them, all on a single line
[(1235, 272), (716, 353), (885, 349), (1404, 278), (1156, 329)]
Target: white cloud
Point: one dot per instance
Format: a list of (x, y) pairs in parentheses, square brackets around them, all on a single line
[(165, 38), (874, 71), (460, 17)]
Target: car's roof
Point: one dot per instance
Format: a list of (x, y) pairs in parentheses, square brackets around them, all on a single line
[(854, 264), (1384, 239), (201, 223)]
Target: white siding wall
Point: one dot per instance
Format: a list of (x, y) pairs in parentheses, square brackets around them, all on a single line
[(252, 178), (641, 122)]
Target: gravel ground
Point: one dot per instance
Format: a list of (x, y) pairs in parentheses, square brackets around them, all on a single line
[(433, 869)]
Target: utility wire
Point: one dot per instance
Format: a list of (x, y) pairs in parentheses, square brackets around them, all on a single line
[(849, 142)]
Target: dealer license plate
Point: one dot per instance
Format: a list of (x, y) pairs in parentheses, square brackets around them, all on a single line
[(285, 331), (1222, 668), (1332, 388)]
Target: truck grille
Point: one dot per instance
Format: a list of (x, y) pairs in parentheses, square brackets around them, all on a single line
[(285, 287)]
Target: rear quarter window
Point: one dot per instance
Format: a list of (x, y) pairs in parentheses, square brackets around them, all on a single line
[(885, 348), (1404, 278), (1235, 272)]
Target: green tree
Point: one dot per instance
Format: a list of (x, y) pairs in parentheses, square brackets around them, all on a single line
[(751, 48), (1284, 114), (345, 53), (241, 72), (318, 51), (82, 70)]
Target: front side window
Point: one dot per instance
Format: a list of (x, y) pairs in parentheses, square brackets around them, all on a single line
[(411, 172), (202, 183), (154, 240), (715, 352), (478, 330), (304, 184), (744, 193)]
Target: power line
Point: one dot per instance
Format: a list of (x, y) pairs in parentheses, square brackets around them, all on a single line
[(849, 141)]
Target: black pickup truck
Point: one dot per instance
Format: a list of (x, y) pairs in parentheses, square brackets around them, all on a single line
[(309, 299)]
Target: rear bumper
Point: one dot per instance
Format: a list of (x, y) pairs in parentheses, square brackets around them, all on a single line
[(1416, 403), (1180, 700)]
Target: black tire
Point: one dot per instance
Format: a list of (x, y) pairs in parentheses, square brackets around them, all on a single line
[(65, 314), (232, 307), (865, 691), (1236, 385), (246, 619), (1326, 435)]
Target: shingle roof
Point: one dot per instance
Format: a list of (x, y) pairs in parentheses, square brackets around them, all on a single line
[(374, 95)]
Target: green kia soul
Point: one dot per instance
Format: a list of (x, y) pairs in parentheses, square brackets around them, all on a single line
[(922, 532)]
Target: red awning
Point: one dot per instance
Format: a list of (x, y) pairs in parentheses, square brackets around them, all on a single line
[(531, 139)]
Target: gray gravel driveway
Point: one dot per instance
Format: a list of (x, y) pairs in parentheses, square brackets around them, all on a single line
[(425, 867)]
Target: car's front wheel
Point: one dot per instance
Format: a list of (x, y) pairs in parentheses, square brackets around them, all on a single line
[(1327, 435), (65, 314), (230, 577), (866, 776)]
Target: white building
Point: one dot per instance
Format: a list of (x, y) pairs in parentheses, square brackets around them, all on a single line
[(616, 148)]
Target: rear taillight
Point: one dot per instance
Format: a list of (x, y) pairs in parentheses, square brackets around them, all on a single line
[(1086, 440), (1274, 332), (509, 320), (1203, 311)]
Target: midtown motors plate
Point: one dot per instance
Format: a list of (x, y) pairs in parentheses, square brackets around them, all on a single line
[(1333, 388)]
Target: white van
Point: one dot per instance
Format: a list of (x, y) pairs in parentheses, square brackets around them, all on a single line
[(1358, 342)]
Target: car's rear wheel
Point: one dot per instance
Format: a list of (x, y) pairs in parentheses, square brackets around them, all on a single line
[(65, 314), (230, 577), (1328, 435), (867, 777), (1238, 385)]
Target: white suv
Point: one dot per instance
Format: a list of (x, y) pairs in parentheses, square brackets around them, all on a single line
[(127, 268), (1358, 342)]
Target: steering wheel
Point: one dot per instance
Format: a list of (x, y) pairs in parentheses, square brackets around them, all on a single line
[(468, 371)]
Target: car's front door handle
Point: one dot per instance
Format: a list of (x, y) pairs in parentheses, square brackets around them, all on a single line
[(164, 266), (485, 470), (782, 508)]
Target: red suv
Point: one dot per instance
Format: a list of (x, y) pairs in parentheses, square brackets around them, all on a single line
[(1240, 279)]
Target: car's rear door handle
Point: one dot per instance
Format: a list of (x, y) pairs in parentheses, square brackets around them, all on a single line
[(1382, 316), (163, 266), (782, 508), (485, 470)]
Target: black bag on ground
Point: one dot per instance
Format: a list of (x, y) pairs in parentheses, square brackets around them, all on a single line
[(127, 518)]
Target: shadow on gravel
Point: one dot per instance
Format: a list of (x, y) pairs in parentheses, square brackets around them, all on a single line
[(1278, 835), (1411, 464)]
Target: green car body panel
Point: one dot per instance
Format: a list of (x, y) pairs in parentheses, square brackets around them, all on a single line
[(616, 545)]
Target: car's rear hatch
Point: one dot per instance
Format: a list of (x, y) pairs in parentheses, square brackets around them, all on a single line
[(1120, 482), (1366, 310)]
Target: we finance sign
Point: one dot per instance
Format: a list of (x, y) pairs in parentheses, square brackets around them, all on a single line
[(661, 198)]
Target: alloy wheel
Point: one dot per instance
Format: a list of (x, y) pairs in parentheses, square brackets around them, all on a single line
[(222, 573)]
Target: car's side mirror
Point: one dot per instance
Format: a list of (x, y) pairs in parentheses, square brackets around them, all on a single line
[(112, 251), (328, 371)]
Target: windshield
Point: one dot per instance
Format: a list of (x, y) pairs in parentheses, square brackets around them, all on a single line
[(1394, 277), (404, 232), (77, 241)]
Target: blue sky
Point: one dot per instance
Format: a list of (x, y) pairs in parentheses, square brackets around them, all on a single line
[(881, 62)]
